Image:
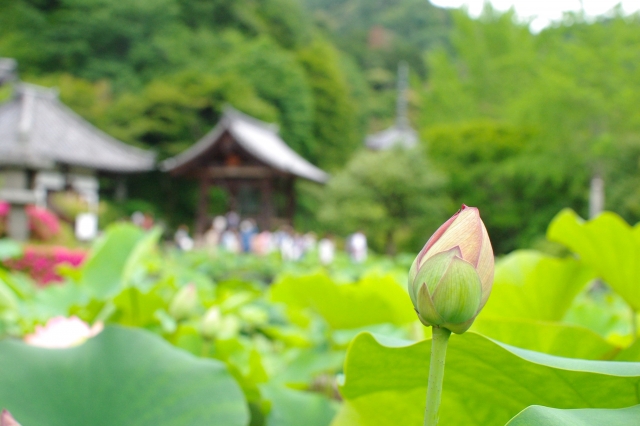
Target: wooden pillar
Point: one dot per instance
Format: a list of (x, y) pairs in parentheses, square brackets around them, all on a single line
[(16, 190), (266, 203), (202, 219), (233, 196), (291, 199), (121, 192)]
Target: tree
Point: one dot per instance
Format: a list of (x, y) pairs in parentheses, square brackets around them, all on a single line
[(393, 196), (335, 122)]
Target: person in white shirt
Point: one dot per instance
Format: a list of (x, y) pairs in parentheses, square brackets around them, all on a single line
[(326, 250), (358, 243)]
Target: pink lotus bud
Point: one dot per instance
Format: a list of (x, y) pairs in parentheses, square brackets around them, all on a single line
[(6, 419), (61, 332), (451, 278)]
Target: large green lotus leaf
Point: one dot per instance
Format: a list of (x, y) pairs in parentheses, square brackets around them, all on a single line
[(373, 300), (295, 408), (103, 272), (544, 416), (608, 245), (486, 383), (55, 300), (143, 248), (603, 311), (553, 338), (120, 377), (310, 363), (529, 284), (631, 353), (20, 283), (8, 299), (10, 249)]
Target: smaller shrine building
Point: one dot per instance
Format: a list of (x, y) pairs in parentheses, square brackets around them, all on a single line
[(45, 147)]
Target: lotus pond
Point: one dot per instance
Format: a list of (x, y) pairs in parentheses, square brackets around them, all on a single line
[(202, 338)]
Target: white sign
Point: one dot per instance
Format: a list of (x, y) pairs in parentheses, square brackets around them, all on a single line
[(86, 226)]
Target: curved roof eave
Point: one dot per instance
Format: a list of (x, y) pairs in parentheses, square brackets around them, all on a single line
[(259, 139)]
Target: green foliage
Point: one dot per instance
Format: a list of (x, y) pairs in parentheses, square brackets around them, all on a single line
[(532, 306), (334, 124), (373, 300), (486, 383), (280, 80), (104, 273), (530, 285), (283, 345), (514, 120), (377, 192), (608, 245), (493, 166), (409, 27), (95, 39), (543, 416), (547, 337), (9, 249), (562, 91), (96, 383), (293, 408)]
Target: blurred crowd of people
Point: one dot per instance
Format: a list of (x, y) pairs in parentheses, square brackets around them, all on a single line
[(231, 234)]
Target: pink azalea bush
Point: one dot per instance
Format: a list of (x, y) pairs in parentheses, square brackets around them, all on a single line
[(43, 223), (61, 332), (41, 262), (5, 208)]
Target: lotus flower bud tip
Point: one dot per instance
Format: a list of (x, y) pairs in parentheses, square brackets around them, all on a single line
[(451, 278)]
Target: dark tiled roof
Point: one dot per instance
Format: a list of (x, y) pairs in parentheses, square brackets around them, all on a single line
[(258, 138), (37, 130)]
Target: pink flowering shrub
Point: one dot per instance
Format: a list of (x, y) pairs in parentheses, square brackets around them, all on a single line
[(41, 262), (43, 223), (5, 208)]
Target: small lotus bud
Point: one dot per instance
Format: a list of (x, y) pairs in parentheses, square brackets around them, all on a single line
[(229, 327), (6, 419), (211, 323), (184, 302), (451, 278), (253, 315)]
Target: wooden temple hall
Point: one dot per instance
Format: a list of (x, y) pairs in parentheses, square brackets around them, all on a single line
[(248, 159)]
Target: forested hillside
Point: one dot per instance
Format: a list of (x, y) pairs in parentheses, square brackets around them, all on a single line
[(513, 122)]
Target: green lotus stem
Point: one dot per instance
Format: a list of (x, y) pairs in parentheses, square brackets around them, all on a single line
[(206, 347), (439, 343), (634, 325), (133, 299)]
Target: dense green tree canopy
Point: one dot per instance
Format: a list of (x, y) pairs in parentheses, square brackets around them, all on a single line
[(393, 196)]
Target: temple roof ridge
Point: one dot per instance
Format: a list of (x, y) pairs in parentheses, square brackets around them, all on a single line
[(260, 139), (36, 129)]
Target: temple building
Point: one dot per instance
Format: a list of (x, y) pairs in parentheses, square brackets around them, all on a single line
[(45, 147), (247, 158)]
